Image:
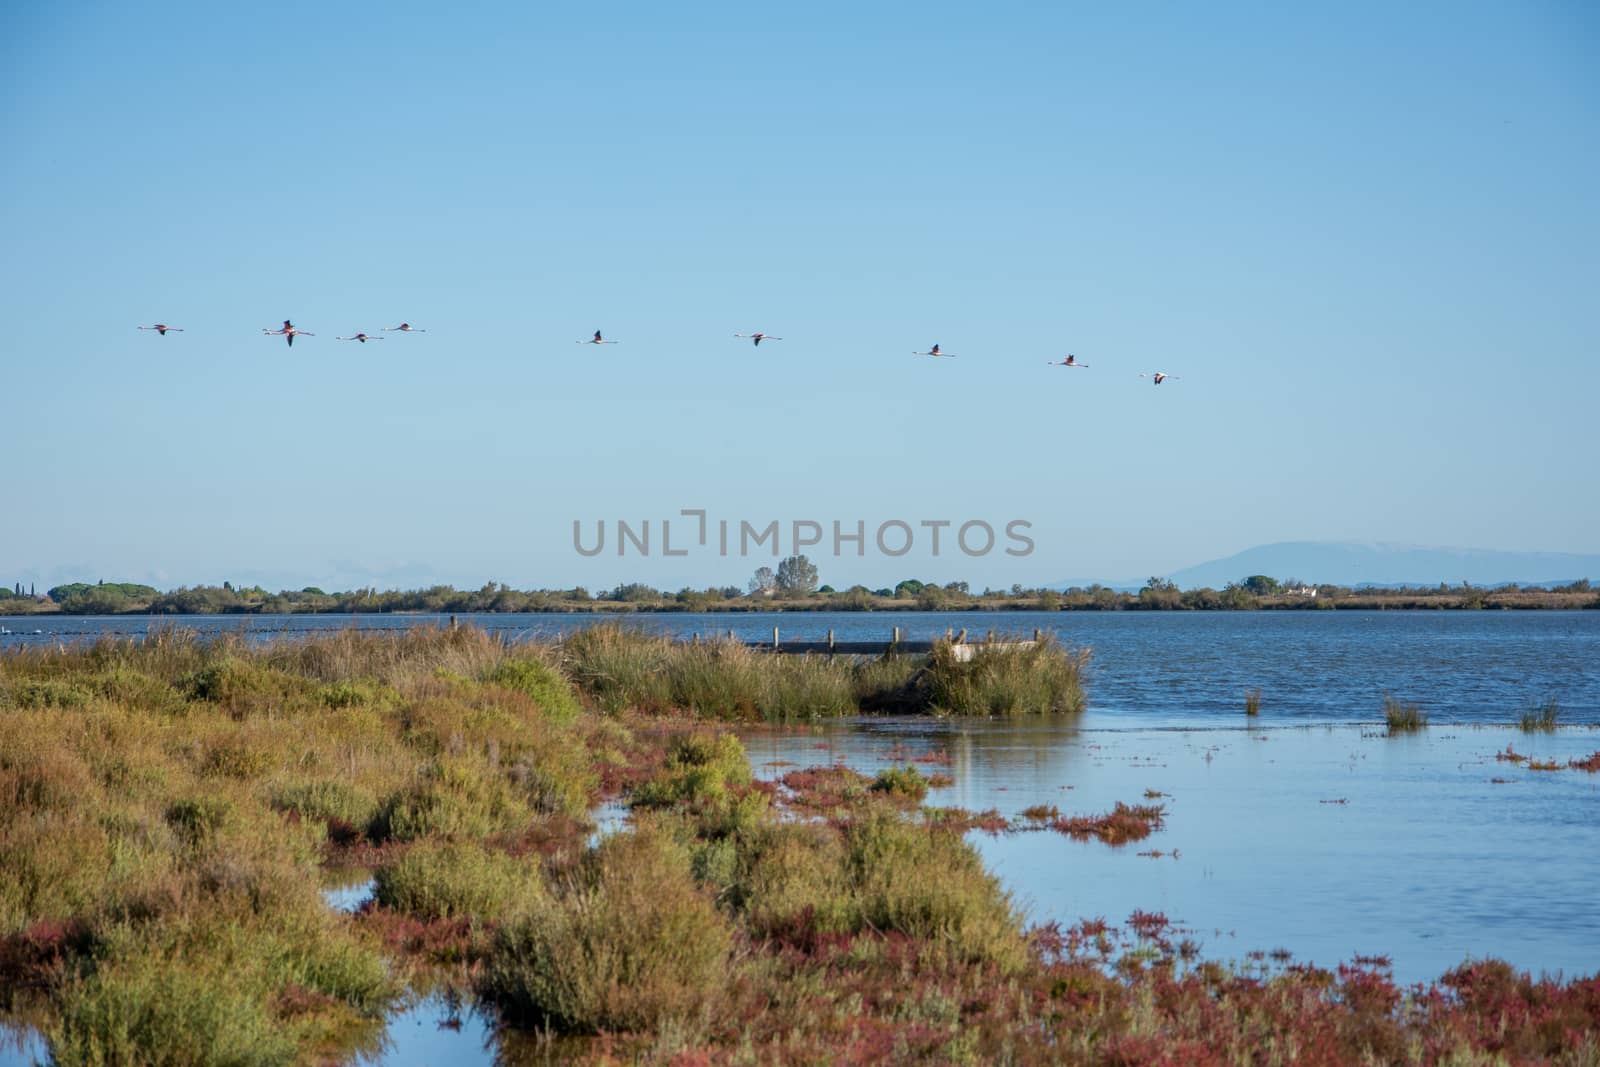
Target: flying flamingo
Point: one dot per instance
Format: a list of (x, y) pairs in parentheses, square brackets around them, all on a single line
[(1070, 361), (289, 332), (363, 338), (162, 328), (1158, 377), (934, 351), (597, 340), (404, 327), (757, 338)]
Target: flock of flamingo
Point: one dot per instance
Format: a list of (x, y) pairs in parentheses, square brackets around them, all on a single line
[(289, 331)]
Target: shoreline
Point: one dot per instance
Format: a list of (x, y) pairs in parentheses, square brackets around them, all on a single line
[(1455, 601)]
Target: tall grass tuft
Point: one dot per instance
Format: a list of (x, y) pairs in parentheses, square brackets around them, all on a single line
[(1005, 679), (441, 880), (620, 669), (632, 944), (1402, 717), (1541, 718)]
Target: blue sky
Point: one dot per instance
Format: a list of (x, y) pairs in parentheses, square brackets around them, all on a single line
[(1365, 237)]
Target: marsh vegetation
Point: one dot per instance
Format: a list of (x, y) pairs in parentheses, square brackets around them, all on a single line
[(168, 809)]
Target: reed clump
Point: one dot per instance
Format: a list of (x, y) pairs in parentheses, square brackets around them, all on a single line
[(1040, 678), (1541, 718), (1402, 717), (619, 669)]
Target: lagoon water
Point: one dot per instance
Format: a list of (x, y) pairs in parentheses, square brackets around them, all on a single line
[(1306, 829), (1154, 669), (1328, 841)]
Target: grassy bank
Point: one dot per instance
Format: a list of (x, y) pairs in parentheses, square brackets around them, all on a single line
[(169, 808)]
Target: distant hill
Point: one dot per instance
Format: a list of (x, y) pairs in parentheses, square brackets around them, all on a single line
[(1351, 563)]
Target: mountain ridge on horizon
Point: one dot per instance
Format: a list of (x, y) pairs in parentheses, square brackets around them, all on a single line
[(1381, 563)]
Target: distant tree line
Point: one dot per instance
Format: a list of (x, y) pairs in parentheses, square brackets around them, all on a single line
[(793, 585)]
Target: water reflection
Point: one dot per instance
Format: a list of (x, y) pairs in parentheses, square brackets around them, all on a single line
[(21, 1046), (350, 894), (440, 1028), (1328, 841)]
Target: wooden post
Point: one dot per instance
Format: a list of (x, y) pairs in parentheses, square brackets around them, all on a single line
[(830, 642), (989, 638), (696, 637), (774, 639), (896, 640), (452, 622), (1036, 635)]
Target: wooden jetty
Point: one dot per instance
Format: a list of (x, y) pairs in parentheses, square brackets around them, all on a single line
[(895, 645)]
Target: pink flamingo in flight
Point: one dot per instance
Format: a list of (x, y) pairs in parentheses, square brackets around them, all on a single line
[(288, 332)]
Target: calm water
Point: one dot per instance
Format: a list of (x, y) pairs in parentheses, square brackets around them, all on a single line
[(1309, 830), (1326, 840), (1153, 668)]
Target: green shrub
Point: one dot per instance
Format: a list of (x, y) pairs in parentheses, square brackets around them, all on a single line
[(159, 1012), (452, 798), (700, 767), (47, 693), (238, 758), (197, 819), (243, 685), (211, 990), (136, 689), (633, 945), (907, 782), (328, 800), (541, 682), (352, 694), (435, 880), (928, 883), (791, 878)]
